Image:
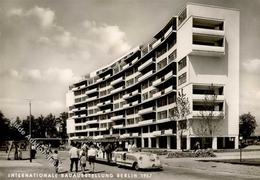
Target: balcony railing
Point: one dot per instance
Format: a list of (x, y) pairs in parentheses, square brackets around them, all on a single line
[(121, 79), (148, 74), (147, 63), (208, 31), (132, 94), (207, 113), (119, 117), (146, 111), (91, 91), (118, 126), (203, 97), (150, 121), (117, 90), (92, 122), (157, 133)]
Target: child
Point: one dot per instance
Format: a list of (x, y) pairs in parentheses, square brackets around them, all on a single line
[(83, 161), (56, 161)]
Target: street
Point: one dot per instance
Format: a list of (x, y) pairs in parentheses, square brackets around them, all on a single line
[(181, 168)]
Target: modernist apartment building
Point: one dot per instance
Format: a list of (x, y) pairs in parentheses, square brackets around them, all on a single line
[(134, 98)]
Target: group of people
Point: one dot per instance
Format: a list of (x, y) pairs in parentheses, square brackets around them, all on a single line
[(78, 155)]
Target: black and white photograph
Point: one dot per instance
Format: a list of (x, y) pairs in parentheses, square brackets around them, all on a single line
[(130, 89)]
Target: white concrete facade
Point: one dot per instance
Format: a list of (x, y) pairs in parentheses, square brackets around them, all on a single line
[(197, 50)]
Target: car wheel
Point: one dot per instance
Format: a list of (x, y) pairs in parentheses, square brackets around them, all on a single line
[(136, 166)]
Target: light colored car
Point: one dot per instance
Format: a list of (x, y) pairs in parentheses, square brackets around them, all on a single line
[(137, 160)]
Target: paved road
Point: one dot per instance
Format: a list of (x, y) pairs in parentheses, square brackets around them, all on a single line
[(173, 169)]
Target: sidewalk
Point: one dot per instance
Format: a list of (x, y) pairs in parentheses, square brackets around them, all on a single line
[(216, 167)]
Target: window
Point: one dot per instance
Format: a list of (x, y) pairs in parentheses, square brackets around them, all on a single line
[(171, 99), (162, 115), (182, 63), (162, 64), (161, 52), (130, 121), (130, 82), (103, 93), (182, 16), (172, 56), (78, 127), (162, 102), (116, 106), (145, 96), (182, 78), (172, 112)]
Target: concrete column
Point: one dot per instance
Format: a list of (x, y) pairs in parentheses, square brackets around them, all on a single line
[(157, 142), (188, 142), (214, 143), (142, 139), (178, 143), (168, 142), (135, 141), (236, 142), (149, 142), (142, 142)]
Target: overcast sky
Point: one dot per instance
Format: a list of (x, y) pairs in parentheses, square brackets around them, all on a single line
[(45, 45)]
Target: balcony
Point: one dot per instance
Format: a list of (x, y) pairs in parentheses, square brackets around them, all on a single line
[(130, 95), (157, 133), (103, 129), (98, 137), (157, 82), (105, 88), (145, 76), (91, 91), (207, 113), (125, 66), (202, 97), (134, 134), (99, 80), (107, 76), (132, 75), (156, 43), (117, 90), (104, 103), (119, 117), (126, 105), (168, 32), (146, 111), (167, 132), (92, 122), (208, 45), (91, 99), (146, 64), (118, 126), (126, 135), (168, 90), (158, 94), (105, 121), (79, 88), (144, 122), (208, 31), (121, 79), (91, 129)]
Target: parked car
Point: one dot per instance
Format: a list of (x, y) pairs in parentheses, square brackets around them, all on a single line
[(137, 160)]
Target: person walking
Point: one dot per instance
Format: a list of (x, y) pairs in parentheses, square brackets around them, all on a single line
[(74, 157), (56, 161), (108, 150), (92, 152), (83, 161)]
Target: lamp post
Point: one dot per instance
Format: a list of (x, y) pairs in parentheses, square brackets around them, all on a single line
[(240, 138), (30, 129)]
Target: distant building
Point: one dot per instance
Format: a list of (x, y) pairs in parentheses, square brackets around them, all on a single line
[(134, 98)]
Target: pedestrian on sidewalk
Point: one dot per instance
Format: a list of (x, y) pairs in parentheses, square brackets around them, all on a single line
[(55, 157), (92, 152), (74, 157)]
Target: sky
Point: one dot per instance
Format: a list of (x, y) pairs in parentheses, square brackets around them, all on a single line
[(46, 45)]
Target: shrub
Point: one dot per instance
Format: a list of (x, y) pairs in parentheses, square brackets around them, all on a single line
[(197, 153)]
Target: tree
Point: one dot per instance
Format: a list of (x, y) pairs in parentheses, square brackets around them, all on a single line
[(4, 127), (181, 113), (62, 120), (247, 125), (209, 116)]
